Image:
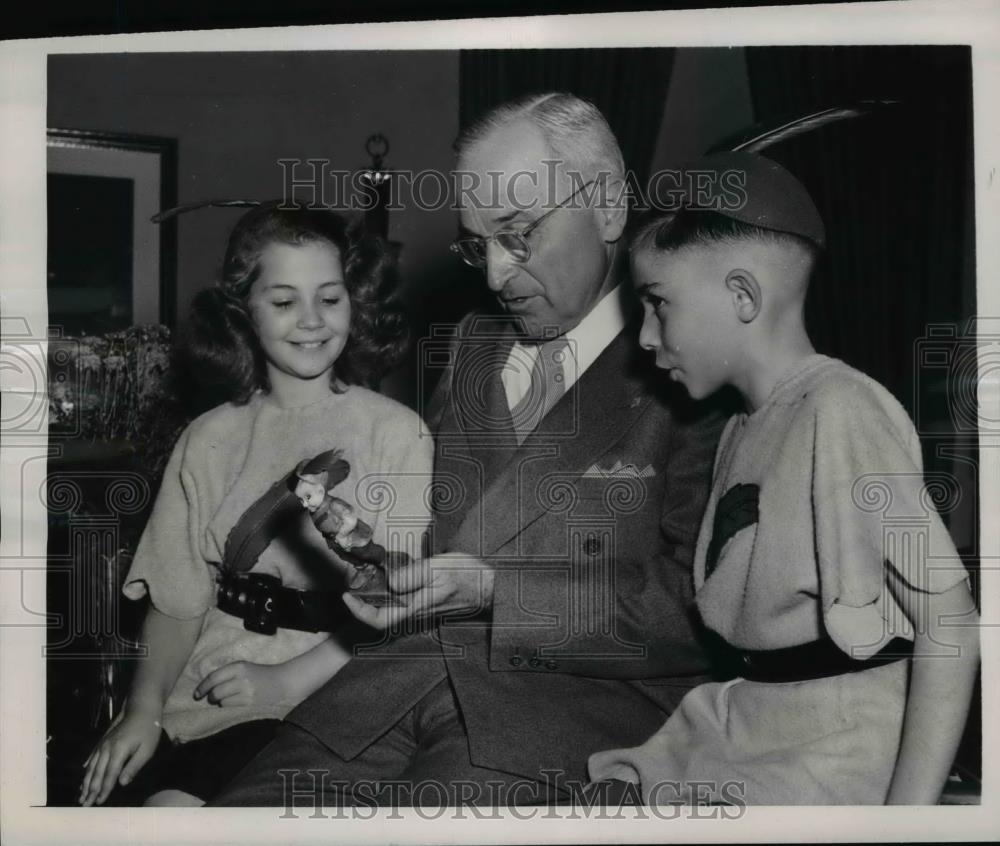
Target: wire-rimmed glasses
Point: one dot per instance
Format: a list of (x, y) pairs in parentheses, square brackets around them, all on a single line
[(474, 249)]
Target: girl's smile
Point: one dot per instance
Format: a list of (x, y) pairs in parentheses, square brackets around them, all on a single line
[(302, 312)]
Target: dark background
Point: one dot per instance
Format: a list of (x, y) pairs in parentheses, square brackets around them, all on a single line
[(93, 228)]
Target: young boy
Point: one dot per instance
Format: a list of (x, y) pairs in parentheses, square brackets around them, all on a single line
[(802, 568)]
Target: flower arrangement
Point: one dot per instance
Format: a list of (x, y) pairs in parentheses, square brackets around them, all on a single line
[(117, 388)]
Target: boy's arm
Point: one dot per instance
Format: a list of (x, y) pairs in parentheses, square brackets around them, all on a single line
[(946, 657)]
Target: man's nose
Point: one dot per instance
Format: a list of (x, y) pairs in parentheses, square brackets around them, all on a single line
[(649, 335), (499, 267)]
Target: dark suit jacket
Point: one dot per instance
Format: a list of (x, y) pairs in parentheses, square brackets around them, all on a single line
[(591, 526)]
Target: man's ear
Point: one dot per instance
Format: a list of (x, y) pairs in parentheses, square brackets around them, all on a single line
[(747, 299), (612, 210)]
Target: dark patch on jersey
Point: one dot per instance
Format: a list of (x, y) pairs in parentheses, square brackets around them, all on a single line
[(736, 510)]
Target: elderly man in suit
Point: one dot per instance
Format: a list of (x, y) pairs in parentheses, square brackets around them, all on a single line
[(554, 618)]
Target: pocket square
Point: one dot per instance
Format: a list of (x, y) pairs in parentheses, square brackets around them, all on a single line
[(619, 471)]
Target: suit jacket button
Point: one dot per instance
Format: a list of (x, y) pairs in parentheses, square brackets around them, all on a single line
[(551, 665), (534, 662), (515, 661), (592, 545)]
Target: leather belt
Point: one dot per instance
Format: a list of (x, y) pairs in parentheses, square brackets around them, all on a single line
[(814, 660), (264, 605)]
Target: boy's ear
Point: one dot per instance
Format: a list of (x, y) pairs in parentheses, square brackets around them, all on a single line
[(745, 288)]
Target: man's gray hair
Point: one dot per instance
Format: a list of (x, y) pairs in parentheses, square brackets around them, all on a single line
[(574, 129)]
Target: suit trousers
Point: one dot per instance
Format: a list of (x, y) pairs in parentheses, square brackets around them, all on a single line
[(421, 761)]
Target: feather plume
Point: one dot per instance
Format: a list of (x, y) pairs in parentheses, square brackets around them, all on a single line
[(268, 517), (764, 136), (186, 207), (261, 523)]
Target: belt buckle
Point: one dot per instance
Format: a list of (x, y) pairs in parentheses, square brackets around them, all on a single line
[(260, 608), (252, 597)]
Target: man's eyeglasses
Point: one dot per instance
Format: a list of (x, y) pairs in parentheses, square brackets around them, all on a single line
[(473, 249)]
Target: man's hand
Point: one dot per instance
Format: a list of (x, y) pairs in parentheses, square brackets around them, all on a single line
[(343, 538), (430, 587)]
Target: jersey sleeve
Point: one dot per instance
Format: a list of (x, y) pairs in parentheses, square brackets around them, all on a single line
[(168, 563), (872, 510)]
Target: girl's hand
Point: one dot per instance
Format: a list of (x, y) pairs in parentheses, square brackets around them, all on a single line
[(245, 683), (125, 748)]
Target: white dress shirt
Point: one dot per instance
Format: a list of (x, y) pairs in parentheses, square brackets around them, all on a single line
[(587, 340)]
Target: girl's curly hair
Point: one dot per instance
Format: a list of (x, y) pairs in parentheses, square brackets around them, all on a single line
[(223, 351)]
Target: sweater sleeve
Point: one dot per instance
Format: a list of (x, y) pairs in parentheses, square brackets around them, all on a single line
[(168, 563), (399, 492), (872, 509)]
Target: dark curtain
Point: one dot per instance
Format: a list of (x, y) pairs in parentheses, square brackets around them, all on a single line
[(896, 193), (628, 85)]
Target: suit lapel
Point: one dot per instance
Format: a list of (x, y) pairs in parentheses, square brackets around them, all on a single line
[(475, 438), (593, 416)]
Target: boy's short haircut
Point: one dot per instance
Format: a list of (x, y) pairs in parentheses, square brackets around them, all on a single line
[(672, 231), (734, 196)]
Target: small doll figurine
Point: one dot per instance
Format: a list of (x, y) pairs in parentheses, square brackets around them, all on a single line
[(332, 516), (346, 535)]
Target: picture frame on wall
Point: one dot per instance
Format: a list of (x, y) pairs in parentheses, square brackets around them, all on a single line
[(109, 265)]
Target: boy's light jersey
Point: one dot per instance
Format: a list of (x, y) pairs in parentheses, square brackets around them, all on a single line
[(812, 494)]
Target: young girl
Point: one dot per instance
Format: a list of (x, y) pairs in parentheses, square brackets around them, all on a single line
[(821, 564), (305, 318)]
